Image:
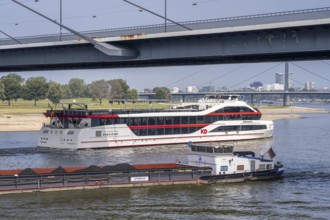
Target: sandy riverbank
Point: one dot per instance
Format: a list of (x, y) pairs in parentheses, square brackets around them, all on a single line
[(33, 122)]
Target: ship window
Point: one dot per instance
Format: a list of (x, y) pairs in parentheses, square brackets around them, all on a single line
[(208, 119), (151, 131), (70, 132), (192, 129), (192, 119), (97, 133), (151, 121), (240, 167), (176, 130), (226, 129), (262, 166), (133, 121), (253, 127), (223, 168), (160, 131), (184, 130), (246, 109), (45, 131), (116, 121), (103, 121), (95, 122), (143, 132), (184, 120), (209, 150), (168, 120), (135, 131), (219, 110), (268, 166), (124, 121), (200, 119), (144, 121), (177, 120), (168, 131), (160, 121)]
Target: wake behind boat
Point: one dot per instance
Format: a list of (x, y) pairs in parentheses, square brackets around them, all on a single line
[(211, 119)]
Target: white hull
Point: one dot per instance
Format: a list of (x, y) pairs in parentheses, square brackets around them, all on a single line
[(115, 136)]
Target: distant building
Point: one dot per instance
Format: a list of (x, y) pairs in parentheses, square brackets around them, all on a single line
[(192, 89), (175, 90), (208, 89), (148, 91), (274, 87), (309, 85), (280, 79)]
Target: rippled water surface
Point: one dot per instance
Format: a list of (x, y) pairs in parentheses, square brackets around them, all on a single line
[(303, 145)]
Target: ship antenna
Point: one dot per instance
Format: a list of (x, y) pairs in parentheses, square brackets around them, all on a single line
[(51, 108)]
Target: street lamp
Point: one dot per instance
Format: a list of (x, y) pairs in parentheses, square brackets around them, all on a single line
[(165, 15), (60, 18)]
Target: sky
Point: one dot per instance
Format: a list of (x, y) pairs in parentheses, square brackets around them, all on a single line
[(85, 15)]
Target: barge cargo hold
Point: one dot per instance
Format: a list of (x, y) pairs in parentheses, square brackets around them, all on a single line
[(93, 177)]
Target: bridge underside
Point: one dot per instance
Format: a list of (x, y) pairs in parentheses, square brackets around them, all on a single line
[(310, 42)]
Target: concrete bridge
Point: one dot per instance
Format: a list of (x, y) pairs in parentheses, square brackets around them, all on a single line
[(284, 36)]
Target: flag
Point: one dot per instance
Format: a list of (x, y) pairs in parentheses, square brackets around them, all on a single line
[(271, 153)]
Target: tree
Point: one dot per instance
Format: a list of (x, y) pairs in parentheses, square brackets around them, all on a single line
[(99, 89), (54, 93), (12, 83), (65, 90), (124, 86), (116, 91), (132, 94), (2, 91), (77, 87), (162, 93), (35, 88)]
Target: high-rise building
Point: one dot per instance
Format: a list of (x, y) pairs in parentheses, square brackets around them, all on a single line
[(280, 79), (192, 89), (208, 89), (310, 85)]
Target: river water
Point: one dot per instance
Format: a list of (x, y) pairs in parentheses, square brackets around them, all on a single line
[(303, 146)]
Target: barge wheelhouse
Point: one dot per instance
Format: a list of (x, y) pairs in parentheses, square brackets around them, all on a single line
[(229, 166)]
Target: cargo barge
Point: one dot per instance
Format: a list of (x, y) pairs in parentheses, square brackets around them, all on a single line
[(206, 164), (92, 177)]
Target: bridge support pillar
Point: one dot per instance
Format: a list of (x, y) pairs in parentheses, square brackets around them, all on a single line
[(286, 96)]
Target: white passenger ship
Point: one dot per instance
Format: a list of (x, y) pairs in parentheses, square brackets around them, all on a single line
[(211, 119)]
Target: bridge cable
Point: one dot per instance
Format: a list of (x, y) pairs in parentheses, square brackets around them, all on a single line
[(258, 74), (167, 19), (194, 73), (298, 82), (315, 74), (105, 48), (14, 39), (226, 73)]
